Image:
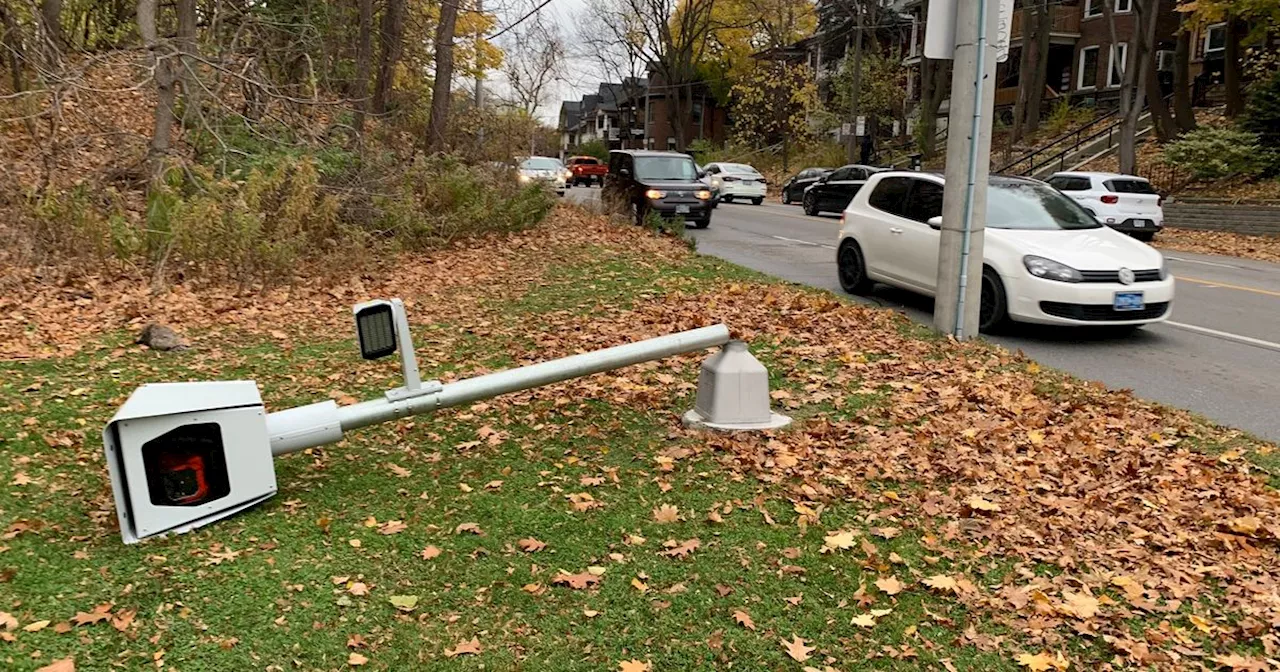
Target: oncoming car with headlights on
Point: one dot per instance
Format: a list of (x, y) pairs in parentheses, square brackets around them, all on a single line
[(1044, 259), (543, 169), (665, 183)]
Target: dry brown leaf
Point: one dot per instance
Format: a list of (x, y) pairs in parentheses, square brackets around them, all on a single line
[(942, 582), (744, 619), (355, 659), (7, 621), (36, 626), (889, 584), (61, 665), (842, 540), (392, 527), (100, 613), (633, 666), (464, 648), (531, 545), (666, 514), (681, 549), (429, 553), (797, 649), (576, 581), (472, 528)]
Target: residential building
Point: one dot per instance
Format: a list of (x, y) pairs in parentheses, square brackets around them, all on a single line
[(632, 114)]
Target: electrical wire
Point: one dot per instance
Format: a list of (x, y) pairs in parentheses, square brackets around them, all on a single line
[(520, 20)]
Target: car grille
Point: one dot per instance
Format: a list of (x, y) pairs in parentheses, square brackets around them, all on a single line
[(1150, 275), (1101, 312)]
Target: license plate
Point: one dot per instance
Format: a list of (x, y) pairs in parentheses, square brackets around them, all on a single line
[(682, 209), (1139, 223), (1128, 301)]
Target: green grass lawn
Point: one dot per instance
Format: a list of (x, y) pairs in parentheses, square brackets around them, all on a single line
[(432, 511)]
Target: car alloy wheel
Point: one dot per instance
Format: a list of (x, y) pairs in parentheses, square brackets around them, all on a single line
[(852, 269), (786, 196), (810, 205)]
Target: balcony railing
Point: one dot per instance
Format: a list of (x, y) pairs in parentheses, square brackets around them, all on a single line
[(1066, 22)]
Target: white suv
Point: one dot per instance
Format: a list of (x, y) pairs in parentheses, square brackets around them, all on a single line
[(737, 180), (1126, 203)]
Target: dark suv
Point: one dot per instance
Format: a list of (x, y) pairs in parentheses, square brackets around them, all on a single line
[(643, 181)]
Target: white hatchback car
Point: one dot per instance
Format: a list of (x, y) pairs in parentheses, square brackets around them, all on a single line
[(544, 169), (1045, 259), (1126, 203), (737, 181)]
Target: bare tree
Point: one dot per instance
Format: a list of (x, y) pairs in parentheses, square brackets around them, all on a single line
[(1182, 111), (1133, 74), (364, 58), (11, 45), (534, 60), (671, 37), (392, 40), (442, 88), (187, 47), (1232, 65), (162, 65)]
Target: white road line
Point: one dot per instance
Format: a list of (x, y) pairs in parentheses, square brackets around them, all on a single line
[(1205, 263), (804, 242), (1227, 336)]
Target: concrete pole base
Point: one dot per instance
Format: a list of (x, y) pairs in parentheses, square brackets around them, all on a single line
[(692, 418)]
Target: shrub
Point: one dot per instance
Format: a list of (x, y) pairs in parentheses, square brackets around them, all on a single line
[(1214, 153), (595, 148), (1262, 118)]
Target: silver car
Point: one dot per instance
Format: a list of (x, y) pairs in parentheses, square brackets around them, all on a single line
[(543, 169)]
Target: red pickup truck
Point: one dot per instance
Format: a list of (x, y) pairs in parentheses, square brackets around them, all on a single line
[(586, 169)]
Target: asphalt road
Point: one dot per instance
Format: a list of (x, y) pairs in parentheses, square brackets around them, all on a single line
[(1219, 355)]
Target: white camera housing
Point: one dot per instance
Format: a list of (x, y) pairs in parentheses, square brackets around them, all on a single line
[(183, 455)]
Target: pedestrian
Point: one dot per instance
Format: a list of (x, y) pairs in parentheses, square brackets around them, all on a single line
[(868, 149)]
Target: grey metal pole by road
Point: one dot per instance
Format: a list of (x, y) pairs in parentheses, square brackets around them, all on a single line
[(317, 424), (964, 206)]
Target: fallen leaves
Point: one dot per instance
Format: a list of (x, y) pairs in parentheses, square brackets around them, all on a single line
[(61, 665), (405, 603), (575, 581), (797, 649), (889, 584), (7, 621), (468, 647), (531, 545), (978, 503), (100, 613), (666, 514), (744, 619), (680, 549), (1042, 661), (470, 528), (392, 527), (354, 659), (36, 626), (941, 582), (1080, 605), (633, 666), (429, 553), (842, 540)]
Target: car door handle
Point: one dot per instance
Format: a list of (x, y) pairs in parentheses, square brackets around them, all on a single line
[(895, 230)]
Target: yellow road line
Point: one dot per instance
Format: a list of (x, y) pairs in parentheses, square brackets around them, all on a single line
[(1242, 288)]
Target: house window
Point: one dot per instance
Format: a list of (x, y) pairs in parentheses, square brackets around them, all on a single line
[(1093, 8), (671, 143), (697, 113), (1087, 74), (1118, 60), (1215, 40), (915, 36)]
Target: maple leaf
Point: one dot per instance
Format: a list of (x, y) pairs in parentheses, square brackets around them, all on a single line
[(1080, 605), (1248, 525), (863, 620), (123, 619), (1236, 661), (666, 514), (404, 603), (683, 549), (356, 659), (889, 584), (531, 545), (62, 665), (633, 666), (221, 556), (977, 503), (392, 527), (796, 648), (430, 552), (473, 528), (744, 619), (100, 613), (886, 532), (576, 581), (1042, 661), (942, 582), (842, 540), (464, 648)]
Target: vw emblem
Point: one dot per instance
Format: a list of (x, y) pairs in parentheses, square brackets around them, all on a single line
[(1126, 276)]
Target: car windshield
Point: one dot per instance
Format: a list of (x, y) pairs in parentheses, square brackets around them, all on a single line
[(665, 168), (540, 163), (1032, 206)]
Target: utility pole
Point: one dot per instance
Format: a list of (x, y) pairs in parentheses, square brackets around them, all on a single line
[(964, 204)]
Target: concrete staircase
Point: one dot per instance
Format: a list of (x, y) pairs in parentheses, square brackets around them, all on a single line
[(1073, 150)]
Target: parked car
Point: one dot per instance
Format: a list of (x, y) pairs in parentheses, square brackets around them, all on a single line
[(738, 180), (586, 170), (793, 188), (1126, 203), (667, 183), (543, 169), (833, 191), (1045, 259)]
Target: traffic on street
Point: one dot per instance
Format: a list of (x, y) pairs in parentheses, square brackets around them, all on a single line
[(1217, 354)]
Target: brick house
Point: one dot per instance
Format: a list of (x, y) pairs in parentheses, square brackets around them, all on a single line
[(633, 114)]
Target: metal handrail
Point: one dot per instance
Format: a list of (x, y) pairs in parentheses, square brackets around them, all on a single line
[(1080, 142), (1054, 142)]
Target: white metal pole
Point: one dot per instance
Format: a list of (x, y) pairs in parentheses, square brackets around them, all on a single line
[(317, 424)]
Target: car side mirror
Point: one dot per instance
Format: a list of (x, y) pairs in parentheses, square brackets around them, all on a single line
[(935, 222), (702, 174)]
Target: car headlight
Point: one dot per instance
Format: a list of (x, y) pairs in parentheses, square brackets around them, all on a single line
[(715, 183), (703, 195), (654, 194), (525, 178), (1050, 269), (568, 174)]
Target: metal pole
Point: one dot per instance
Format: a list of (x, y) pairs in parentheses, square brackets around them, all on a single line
[(317, 424), (968, 165)]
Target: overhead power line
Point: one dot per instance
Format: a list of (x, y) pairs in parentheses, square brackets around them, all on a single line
[(520, 20)]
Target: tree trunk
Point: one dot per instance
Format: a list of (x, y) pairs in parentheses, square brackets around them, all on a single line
[(162, 63), (440, 91), (851, 142), (51, 19), (11, 44), (933, 87), (1044, 21), (1024, 82), (391, 38), (187, 64), (1161, 119), (364, 58), (1231, 67), (1185, 116)]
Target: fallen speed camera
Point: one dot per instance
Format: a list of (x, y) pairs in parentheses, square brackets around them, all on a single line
[(183, 455)]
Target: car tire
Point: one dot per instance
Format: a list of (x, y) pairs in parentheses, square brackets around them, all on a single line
[(638, 214), (993, 311), (786, 196), (851, 268), (757, 201), (810, 205), (702, 223), (727, 199)]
